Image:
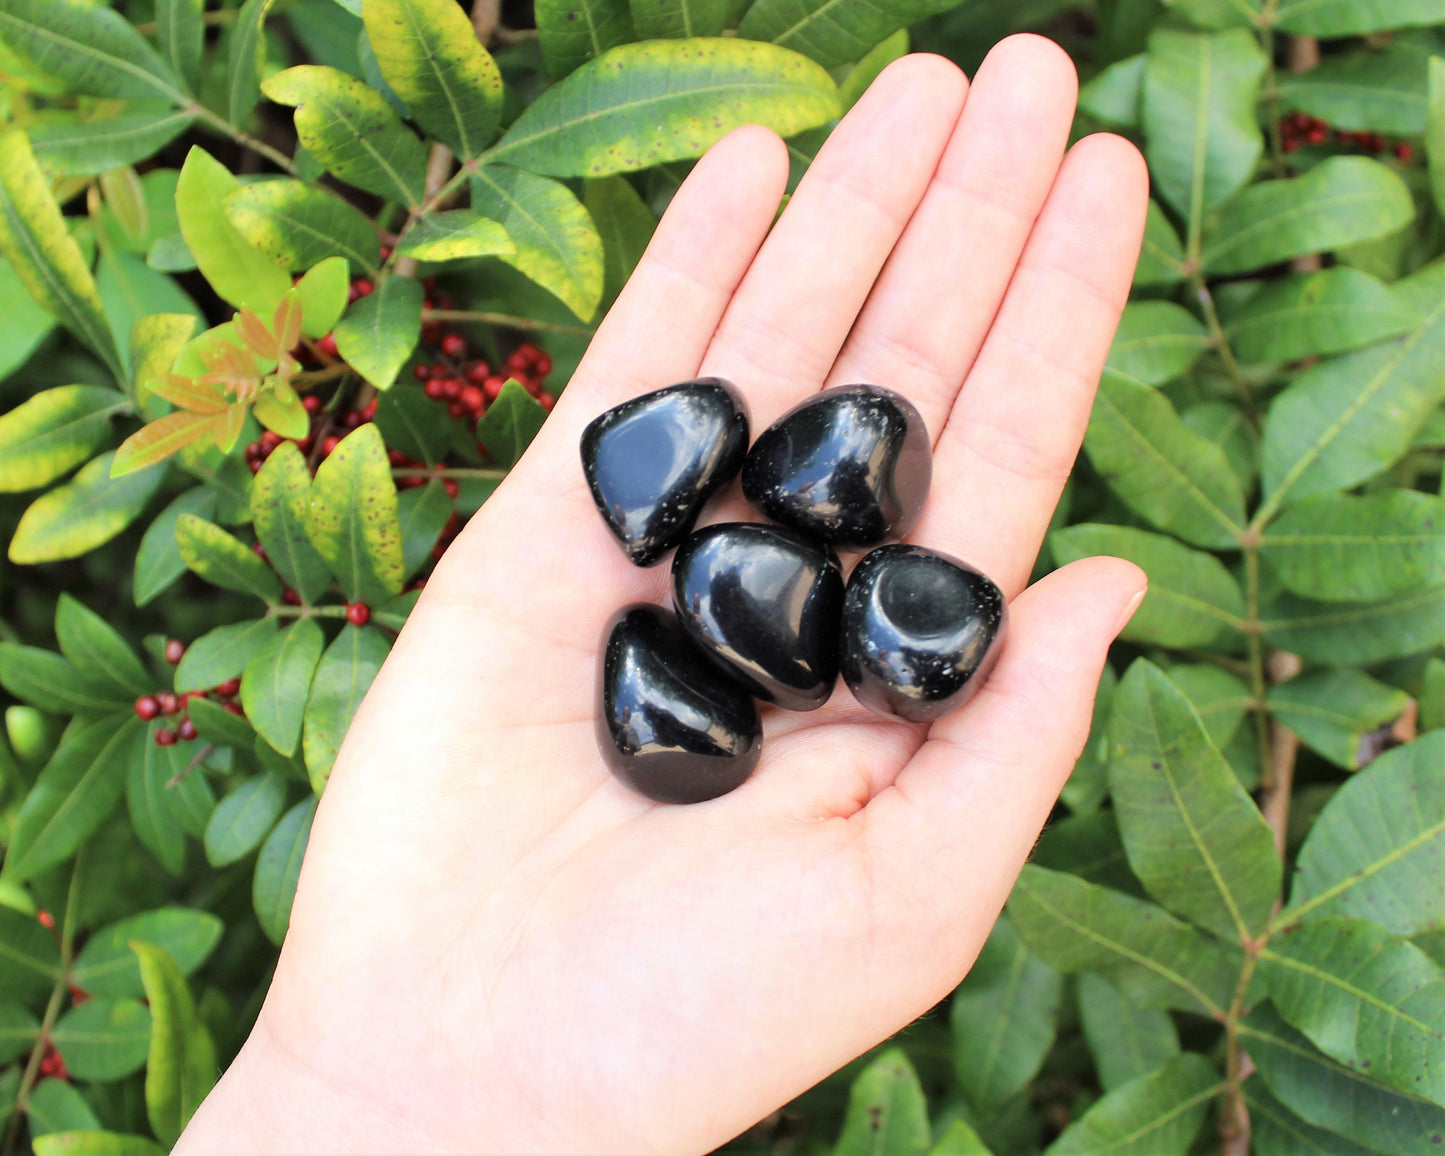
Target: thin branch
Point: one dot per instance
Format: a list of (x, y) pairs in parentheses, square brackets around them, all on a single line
[(244, 139), (1278, 780), (485, 14), (438, 168), (505, 319)]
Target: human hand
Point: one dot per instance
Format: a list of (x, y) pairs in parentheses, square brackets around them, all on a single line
[(497, 947)]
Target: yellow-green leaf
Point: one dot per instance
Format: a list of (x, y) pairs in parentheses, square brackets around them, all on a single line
[(278, 510), (86, 512), (351, 518), (223, 560), (452, 235), (90, 48), (155, 342), (322, 293), (158, 440), (52, 432), (299, 225), (181, 1065)]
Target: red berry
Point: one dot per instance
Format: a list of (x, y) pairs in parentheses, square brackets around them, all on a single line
[(519, 362), (531, 384), (146, 707), (230, 688), (270, 439), (434, 388), (253, 451), (451, 388), (190, 695), (431, 331), (1315, 136), (429, 284), (327, 346), (542, 363), (546, 400), (368, 411), (235, 708), (456, 409), (472, 398), (45, 919), (329, 444), (358, 613), (363, 287), (443, 302), (254, 466), (396, 457), (454, 345), (290, 597), (351, 418), (1404, 153), (477, 372), (1290, 144), (186, 732), (312, 403), (421, 371), (386, 252), (175, 648), (492, 387), (451, 487), (165, 738), (169, 702)]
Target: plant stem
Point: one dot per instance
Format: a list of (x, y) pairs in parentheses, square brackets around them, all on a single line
[(1221, 342), (1278, 781), (306, 612), (244, 139), (486, 474), (220, 16), (438, 167), (485, 14), (505, 319)]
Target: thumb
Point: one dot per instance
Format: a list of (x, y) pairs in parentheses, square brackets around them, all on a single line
[(960, 820)]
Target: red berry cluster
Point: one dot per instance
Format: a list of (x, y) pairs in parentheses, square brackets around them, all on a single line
[(467, 385), (165, 703), (1299, 129), (347, 420)]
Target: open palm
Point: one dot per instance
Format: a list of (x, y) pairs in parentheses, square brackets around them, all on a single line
[(495, 946)]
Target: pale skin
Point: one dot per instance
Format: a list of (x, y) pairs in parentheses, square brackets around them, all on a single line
[(495, 946)]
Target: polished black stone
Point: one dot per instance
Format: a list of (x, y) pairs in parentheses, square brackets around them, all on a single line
[(653, 462), (671, 725), (850, 466), (921, 631), (765, 603)]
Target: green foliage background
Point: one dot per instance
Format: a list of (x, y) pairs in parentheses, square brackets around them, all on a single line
[(1231, 935)]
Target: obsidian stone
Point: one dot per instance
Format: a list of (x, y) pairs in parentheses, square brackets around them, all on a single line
[(653, 462), (671, 725), (765, 603), (920, 632), (850, 466)]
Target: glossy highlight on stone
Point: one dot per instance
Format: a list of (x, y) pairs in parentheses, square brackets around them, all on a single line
[(653, 462), (850, 465), (921, 631), (764, 602), (670, 724)]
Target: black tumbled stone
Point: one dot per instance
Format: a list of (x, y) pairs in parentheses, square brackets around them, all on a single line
[(653, 462), (920, 633), (671, 725), (850, 465), (764, 602)]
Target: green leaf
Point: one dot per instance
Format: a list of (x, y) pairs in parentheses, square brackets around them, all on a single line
[(1088, 782), (1195, 839), (181, 36), (158, 562), (73, 795), (243, 275), (646, 104), (1435, 131), (279, 499), (557, 245), (1198, 103), (1333, 710), (322, 293), (18, 1031), (85, 1142), (414, 424), (1217, 13), (131, 290), (278, 866), (1156, 1115), (1003, 1019), (1363, 996), (454, 235), (222, 653), (1336, 1098), (1227, 425), (342, 679), (156, 340), (625, 224), (91, 49), (1218, 697), (1156, 342), (106, 966), (1347, 419), (58, 1106), (88, 147), (833, 32), (1113, 95), (35, 241), (572, 32), (97, 650), (429, 54), (1432, 696), (1382, 90), (656, 19), (1315, 313), (150, 801), (298, 225), (47, 680), (1150, 956), (1162, 470), (1332, 18), (104, 1039), (247, 50), (1374, 851), (1126, 1041), (29, 957), (26, 323), (862, 75), (1357, 633), (216, 724), (423, 514), (52, 432), (277, 681), (1161, 260), (510, 424), (351, 518), (959, 1139), (224, 560), (1276, 1131), (1339, 548), (379, 332), (181, 1066), (243, 818), (1341, 201), (1191, 597), (887, 1113)]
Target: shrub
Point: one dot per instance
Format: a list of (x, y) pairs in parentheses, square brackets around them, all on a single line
[(261, 258)]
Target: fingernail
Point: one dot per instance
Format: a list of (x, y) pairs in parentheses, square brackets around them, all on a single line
[(1128, 611)]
